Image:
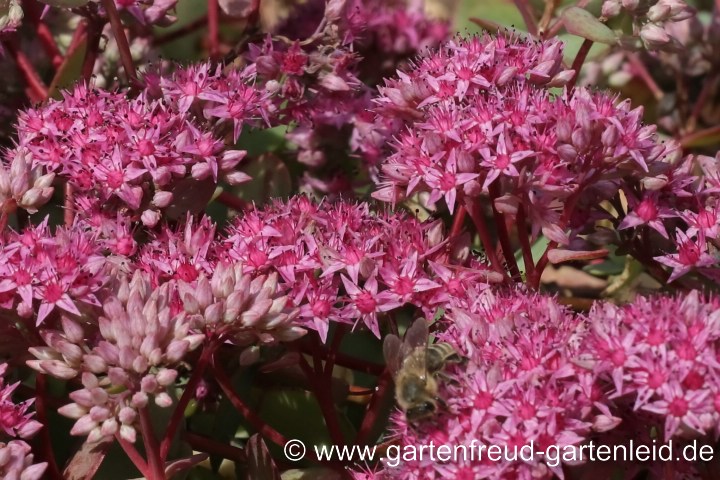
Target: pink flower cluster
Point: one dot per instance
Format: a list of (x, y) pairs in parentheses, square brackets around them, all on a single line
[(520, 384), (672, 217), (341, 262), (318, 91), (536, 372), (143, 153), (659, 355), (41, 272), (483, 123), (392, 30), (322, 83), (460, 69)]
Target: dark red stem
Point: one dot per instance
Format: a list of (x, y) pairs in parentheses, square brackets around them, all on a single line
[(578, 62), (45, 439), (69, 204), (458, 221), (122, 42), (253, 419), (156, 467), (503, 234), (133, 455), (473, 209), (37, 91), (232, 201), (186, 29), (524, 8), (187, 395), (94, 33), (213, 18), (641, 71), (34, 10), (524, 237), (323, 394), (372, 413), (213, 447), (696, 137)]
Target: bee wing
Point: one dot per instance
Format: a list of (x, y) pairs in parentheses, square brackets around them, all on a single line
[(393, 353), (417, 335), (415, 347)]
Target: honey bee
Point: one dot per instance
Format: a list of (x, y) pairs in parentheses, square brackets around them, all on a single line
[(415, 366)]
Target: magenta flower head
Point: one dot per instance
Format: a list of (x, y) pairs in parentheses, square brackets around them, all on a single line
[(519, 387), (43, 272), (482, 122), (181, 253), (15, 421), (340, 262), (127, 362), (141, 153), (658, 356)]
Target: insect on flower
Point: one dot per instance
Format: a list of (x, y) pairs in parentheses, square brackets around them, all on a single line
[(415, 364)]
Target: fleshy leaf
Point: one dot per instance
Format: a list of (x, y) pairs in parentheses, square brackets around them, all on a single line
[(87, 460), (584, 24), (560, 255)]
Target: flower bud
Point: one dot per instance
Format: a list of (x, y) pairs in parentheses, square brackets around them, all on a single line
[(653, 36)]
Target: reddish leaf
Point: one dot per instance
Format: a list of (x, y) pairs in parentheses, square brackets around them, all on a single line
[(260, 464), (86, 461), (559, 255)]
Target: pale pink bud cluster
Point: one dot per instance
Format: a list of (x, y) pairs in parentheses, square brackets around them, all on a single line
[(22, 185), (143, 336), (11, 15), (149, 12), (651, 24), (236, 306), (16, 462)]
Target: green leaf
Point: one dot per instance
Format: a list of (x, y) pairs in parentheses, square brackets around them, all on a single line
[(297, 415), (316, 473), (584, 24), (70, 70), (257, 142), (612, 266), (270, 179), (536, 249)]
